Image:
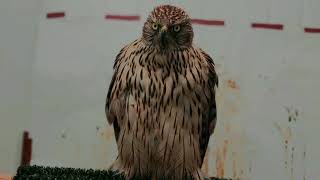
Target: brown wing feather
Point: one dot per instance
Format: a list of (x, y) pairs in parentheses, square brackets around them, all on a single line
[(210, 116), (112, 119), (113, 104)]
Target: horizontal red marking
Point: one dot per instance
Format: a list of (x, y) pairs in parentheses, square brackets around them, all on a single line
[(56, 15), (208, 22), (267, 26), (311, 30), (123, 17)]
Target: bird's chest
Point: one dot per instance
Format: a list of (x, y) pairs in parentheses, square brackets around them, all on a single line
[(150, 86), (163, 87)]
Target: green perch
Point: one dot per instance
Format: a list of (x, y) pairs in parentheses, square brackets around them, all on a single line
[(54, 173)]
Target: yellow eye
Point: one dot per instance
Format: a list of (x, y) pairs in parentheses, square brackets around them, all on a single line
[(176, 28), (155, 26)]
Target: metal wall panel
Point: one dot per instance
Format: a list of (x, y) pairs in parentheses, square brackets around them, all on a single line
[(267, 99)]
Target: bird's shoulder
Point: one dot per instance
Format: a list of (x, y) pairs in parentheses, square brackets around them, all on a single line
[(127, 51), (207, 61)]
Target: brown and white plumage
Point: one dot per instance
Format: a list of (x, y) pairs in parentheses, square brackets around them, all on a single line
[(161, 100)]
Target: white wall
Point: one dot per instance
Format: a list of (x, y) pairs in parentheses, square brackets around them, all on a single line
[(266, 76), (18, 27)]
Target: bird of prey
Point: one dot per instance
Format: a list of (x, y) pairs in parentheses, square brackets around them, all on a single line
[(161, 100)]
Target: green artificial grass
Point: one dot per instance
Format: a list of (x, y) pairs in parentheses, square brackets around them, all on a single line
[(54, 173)]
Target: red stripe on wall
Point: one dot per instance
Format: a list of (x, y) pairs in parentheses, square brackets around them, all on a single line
[(208, 22), (123, 17), (53, 15), (311, 30), (267, 26)]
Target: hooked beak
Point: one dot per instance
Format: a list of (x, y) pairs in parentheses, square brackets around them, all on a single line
[(163, 37)]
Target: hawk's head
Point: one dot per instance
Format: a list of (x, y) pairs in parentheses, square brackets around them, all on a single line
[(168, 28)]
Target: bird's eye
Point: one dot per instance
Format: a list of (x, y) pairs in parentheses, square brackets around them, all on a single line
[(155, 26), (176, 28)]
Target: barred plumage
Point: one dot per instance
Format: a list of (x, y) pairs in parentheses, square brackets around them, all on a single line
[(161, 101)]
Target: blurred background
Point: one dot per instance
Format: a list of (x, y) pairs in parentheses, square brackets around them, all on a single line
[(56, 61)]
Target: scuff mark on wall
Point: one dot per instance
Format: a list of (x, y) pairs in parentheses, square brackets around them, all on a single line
[(286, 153), (250, 166), (221, 155), (238, 154), (63, 135), (229, 151), (287, 132), (292, 114), (229, 154), (232, 84), (286, 135), (205, 165), (304, 162), (292, 162), (219, 164), (234, 165), (264, 77), (107, 133)]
